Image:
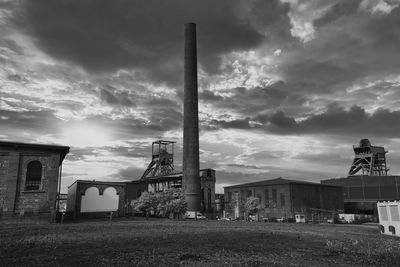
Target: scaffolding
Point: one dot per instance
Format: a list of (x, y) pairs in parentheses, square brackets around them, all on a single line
[(368, 160), (162, 162)]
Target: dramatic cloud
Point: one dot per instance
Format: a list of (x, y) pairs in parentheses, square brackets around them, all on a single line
[(286, 87), (105, 36)]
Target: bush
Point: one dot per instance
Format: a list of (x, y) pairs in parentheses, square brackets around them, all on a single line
[(170, 202)]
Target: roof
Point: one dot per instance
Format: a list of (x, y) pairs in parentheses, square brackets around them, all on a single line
[(63, 150), (172, 175), (97, 182), (276, 181)]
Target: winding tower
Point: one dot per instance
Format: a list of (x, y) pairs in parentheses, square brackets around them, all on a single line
[(162, 162), (368, 160)]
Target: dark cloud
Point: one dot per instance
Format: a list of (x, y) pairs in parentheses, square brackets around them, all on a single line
[(333, 157), (340, 9), (115, 98), (209, 96), (344, 51), (130, 173), (35, 123), (252, 101), (132, 150), (235, 124), (105, 35), (335, 121), (244, 166)]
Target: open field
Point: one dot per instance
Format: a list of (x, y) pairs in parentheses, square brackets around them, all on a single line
[(195, 243)]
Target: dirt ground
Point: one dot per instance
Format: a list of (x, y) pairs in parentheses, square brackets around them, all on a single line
[(194, 243)]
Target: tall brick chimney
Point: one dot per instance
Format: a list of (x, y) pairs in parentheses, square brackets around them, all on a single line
[(191, 176)]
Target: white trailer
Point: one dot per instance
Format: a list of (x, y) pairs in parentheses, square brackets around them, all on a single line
[(389, 217)]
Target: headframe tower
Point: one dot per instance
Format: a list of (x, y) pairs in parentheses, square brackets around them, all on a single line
[(162, 161), (368, 160)]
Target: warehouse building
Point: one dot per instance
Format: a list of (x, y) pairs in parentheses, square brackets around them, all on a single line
[(283, 198), (367, 181), (29, 179), (360, 193)]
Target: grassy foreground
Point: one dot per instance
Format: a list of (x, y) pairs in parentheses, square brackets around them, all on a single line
[(194, 243)]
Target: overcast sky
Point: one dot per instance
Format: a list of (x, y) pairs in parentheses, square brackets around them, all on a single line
[(286, 87)]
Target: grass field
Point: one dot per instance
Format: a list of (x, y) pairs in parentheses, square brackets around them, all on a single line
[(194, 243)]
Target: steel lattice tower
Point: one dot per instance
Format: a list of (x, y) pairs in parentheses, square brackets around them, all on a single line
[(368, 160), (162, 162)]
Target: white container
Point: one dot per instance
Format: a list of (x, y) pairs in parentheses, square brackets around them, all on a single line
[(300, 218), (389, 217)]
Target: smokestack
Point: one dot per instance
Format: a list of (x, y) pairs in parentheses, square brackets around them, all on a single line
[(191, 176)]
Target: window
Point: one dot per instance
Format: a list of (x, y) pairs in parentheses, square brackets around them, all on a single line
[(274, 195), (266, 198), (282, 200), (209, 199), (229, 196), (248, 193), (394, 213), (33, 176), (383, 213)]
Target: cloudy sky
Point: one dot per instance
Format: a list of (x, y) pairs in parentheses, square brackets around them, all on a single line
[(286, 87)]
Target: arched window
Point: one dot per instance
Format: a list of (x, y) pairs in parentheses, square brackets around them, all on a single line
[(33, 175)]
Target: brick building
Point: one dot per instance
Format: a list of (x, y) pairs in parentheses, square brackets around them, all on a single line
[(29, 179), (283, 198), (90, 199)]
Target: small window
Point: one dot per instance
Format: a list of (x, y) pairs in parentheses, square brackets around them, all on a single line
[(274, 195), (282, 200), (394, 213), (383, 213), (249, 193), (209, 199), (33, 176), (229, 196)]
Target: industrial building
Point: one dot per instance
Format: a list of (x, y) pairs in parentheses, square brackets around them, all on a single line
[(29, 179), (367, 181), (89, 199), (98, 198), (283, 198)]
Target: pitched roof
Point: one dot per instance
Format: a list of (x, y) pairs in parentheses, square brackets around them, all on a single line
[(276, 181)]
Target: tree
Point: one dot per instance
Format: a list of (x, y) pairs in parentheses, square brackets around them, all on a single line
[(252, 205), (164, 204), (146, 203), (172, 202)]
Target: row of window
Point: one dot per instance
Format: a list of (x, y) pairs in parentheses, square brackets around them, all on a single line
[(268, 199), (394, 213)]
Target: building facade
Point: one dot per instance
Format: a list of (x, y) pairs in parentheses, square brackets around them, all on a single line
[(87, 199), (361, 192), (283, 198), (90, 199), (29, 179)]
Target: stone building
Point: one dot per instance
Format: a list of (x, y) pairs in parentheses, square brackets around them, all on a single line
[(283, 198), (29, 179)]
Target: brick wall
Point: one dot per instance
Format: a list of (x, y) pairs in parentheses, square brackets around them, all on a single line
[(14, 199)]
